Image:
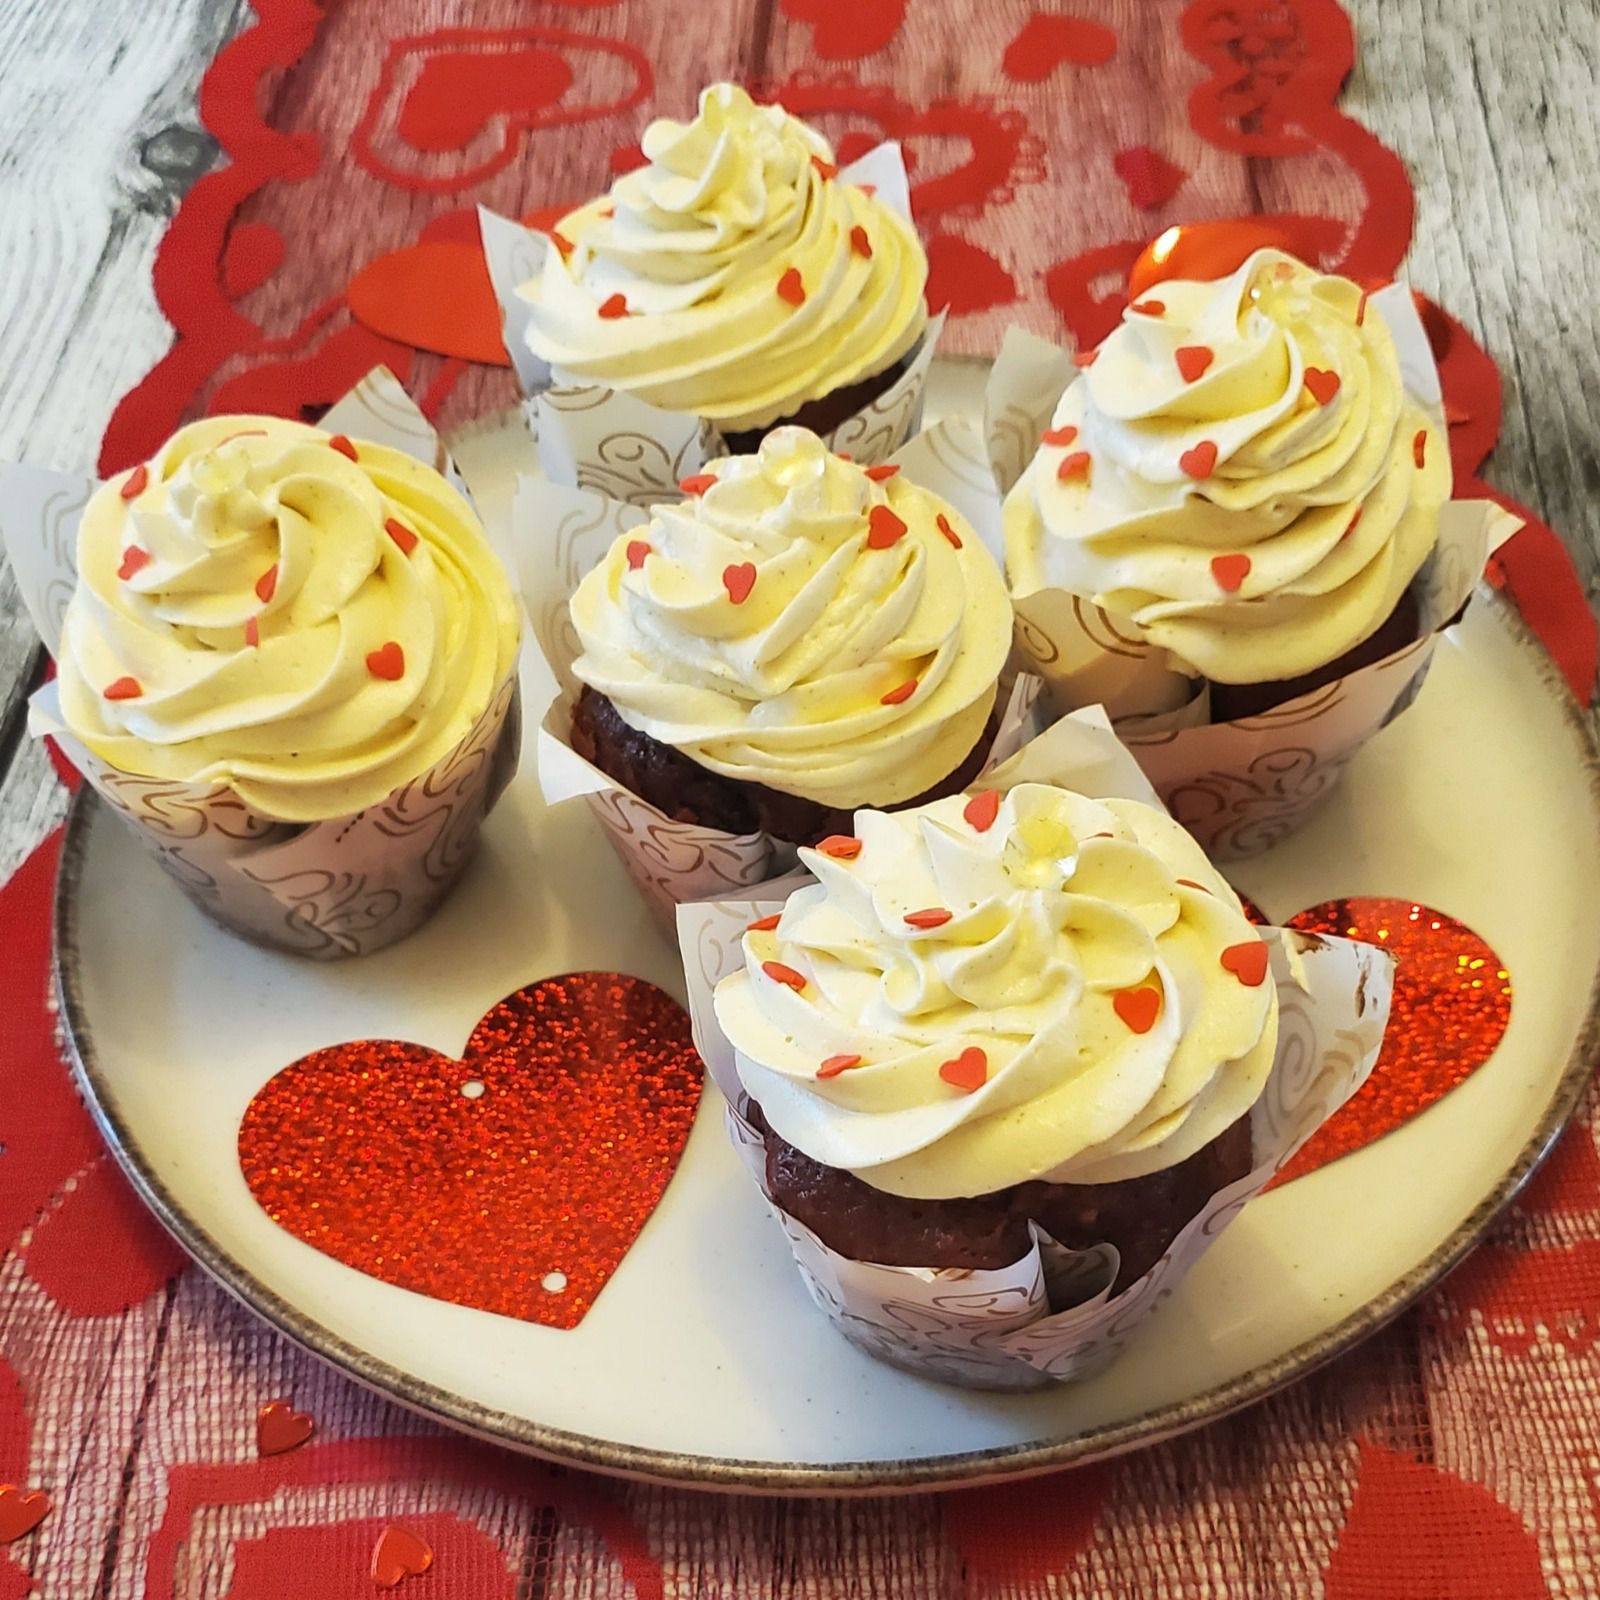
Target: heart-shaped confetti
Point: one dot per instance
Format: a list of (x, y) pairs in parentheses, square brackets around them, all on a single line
[(570, 1107), (739, 580), (968, 1072), (21, 1511), (1201, 461), (399, 1554), (1321, 384), (280, 1428)]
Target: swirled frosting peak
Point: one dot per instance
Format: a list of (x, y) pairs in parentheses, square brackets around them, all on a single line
[(801, 622), (974, 995), (308, 620), (732, 276), (1240, 473)]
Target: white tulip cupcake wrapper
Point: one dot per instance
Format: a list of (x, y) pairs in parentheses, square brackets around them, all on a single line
[(342, 887), (1238, 786), (594, 437), (1049, 1317)]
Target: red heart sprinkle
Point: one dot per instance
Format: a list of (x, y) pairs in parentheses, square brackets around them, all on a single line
[(134, 559), (1419, 447), (135, 482), (401, 535), (1085, 358), (1361, 308), (841, 846), (21, 1513), (638, 552), (884, 528), (612, 307), (764, 924), (791, 287), (697, 482), (968, 1072), (252, 633), (981, 810), (826, 168), (1138, 1008), (834, 1065), (1148, 308), (868, 189), (279, 1428), (844, 455), (896, 697), (1230, 571), (341, 443), (739, 580), (1189, 883), (1283, 272), (933, 917), (787, 976), (399, 1554), (1322, 384), (561, 242), (1074, 467), (123, 689), (859, 242), (1063, 435), (942, 523), (878, 474), (1351, 525), (1193, 359), (387, 661), (608, 212), (1247, 962), (1201, 461), (267, 584)]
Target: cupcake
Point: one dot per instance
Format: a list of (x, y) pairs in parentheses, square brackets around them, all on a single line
[(1241, 481), (733, 277), (798, 638), (995, 1016), (274, 630)]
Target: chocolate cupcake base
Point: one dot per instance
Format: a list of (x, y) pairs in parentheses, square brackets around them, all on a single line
[(680, 788), (1140, 1216), (824, 415)]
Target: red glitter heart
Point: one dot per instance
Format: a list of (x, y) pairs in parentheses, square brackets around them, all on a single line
[(1201, 461), (280, 1428), (1452, 1000), (388, 662), (739, 580), (968, 1072), (1138, 1008), (1247, 962), (570, 1106), (1230, 571), (399, 1554), (1323, 385), (1193, 361), (21, 1513)]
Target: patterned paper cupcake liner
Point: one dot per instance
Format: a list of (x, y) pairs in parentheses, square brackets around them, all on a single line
[(344, 886), (1050, 1317)]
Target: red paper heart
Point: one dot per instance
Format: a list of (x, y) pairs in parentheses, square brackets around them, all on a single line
[(399, 1554), (739, 580), (1048, 41), (280, 1428), (391, 1158), (21, 1511)]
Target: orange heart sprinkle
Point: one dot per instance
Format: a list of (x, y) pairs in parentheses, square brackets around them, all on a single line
[(135, 482), (134, 559), (764, 924), (739, 580), (826, 168), (884, 528), (1193, 360), (1062, 435), (267, 584), (1201, 461), (1074, 467), (859, 242), (697, 483), (841, 846), (942, 523), (878, 474), (388, 662), (834, 1065), (1247, 962), (341, 443), (897, 697), (123, 689), (981, 810), (637, 552), (401, 535), (1138, 1008), (968, 1072), (1148, 308), (612, 307), (1230, 571), (1323, 385), (787, 976), (933, 917), (791, 287)]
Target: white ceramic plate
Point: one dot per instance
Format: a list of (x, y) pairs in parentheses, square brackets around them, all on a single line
[(702, 1361)]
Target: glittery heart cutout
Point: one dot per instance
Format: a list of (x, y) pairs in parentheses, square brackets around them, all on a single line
[(280, 1428), (513, 1180), (398, 1554), (1452, 1000)]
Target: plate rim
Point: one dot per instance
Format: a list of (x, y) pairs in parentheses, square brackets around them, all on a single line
[(864, 1478)]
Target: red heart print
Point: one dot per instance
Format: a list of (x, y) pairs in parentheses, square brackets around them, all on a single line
[(1247, 962), (1047, 41), (845, 30), (1150, 179), (21, 1511), (739, 580), (1230, 572), (1201, 461), (968, 1072), (359, 1149), (964, 277), (399, 1554), (280, 1428), (1323, 385)]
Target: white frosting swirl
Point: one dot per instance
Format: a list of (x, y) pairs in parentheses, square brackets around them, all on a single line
[(1057, 908), (249, 617), (852, 592), (1316, 515), (696, 244)]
